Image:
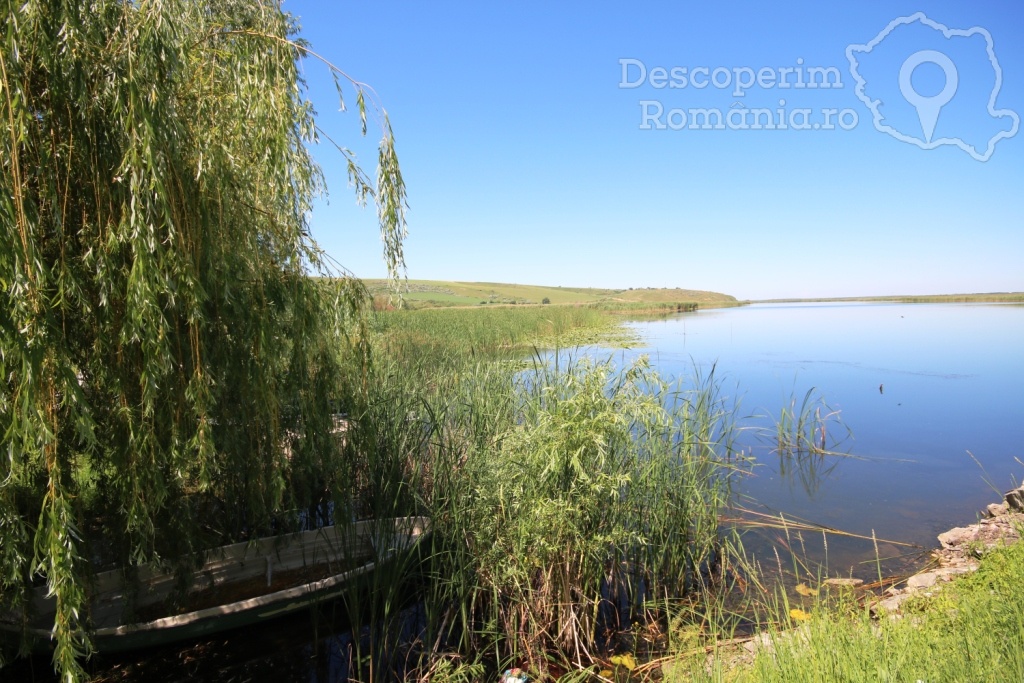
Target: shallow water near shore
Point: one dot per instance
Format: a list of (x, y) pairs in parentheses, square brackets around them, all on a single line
[(933, 395)]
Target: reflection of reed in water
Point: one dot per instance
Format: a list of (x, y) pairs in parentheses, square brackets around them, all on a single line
[(804, 442)]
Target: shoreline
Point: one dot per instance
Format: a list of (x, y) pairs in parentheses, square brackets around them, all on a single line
[(961, 550)]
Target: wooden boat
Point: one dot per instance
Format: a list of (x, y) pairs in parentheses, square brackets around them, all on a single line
[(238, 585)]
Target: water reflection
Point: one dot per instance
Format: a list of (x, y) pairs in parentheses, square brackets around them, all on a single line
[(918, 385), (808, 440)]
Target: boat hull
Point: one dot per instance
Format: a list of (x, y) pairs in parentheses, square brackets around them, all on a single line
[(361, 548)]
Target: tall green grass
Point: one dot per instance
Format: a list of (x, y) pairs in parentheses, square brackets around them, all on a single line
[(437, 340), (646, 306), (570, 498), (600, 489), (969, 630)]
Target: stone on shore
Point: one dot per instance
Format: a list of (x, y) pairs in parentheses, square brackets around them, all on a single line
[(961, 548), (1015, 499), (848, 583), (925, 580), (996, 509)]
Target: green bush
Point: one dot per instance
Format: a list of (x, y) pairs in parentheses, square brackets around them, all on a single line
[(572, 475)]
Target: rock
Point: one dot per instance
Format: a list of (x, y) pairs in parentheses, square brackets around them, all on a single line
[(946, 573), (849, 583), (996, 509), (1015, 499), (925, 580), (958, 536), (890, 605), (761, 641)]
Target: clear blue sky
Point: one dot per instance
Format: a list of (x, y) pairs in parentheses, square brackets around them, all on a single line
[(525, 160)]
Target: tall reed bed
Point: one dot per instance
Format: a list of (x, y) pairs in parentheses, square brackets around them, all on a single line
[(568, 498), (460, 334)]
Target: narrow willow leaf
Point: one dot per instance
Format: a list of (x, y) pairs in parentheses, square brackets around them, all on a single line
[(167, 322)]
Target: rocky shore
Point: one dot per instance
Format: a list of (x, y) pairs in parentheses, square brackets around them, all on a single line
[(961, 548), (960, 551)]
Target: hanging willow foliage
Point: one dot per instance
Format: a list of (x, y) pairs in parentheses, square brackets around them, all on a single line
[(162, 336)]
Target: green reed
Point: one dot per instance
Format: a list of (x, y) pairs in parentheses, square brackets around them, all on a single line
[(565, 496), (440, 337), (572, 500), (804, 437)]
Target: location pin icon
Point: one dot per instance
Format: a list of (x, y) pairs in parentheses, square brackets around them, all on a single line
[(928, 108)]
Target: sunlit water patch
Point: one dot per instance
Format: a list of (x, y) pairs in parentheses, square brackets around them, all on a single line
[(932, 395)]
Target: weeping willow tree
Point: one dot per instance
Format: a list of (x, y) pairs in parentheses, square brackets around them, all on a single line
[(165, 331)]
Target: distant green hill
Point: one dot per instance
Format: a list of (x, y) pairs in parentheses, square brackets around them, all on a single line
[(433, 293)]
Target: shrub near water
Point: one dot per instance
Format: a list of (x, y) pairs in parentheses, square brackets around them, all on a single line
[(575, 481)]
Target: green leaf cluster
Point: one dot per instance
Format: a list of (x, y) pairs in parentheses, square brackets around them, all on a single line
[(168, 355), (598, 490)]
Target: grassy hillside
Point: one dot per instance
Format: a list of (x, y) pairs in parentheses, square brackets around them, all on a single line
[(651, 295), (442, 293), (435, 293)]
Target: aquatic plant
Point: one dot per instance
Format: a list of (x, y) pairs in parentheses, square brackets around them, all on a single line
[(565, 497)]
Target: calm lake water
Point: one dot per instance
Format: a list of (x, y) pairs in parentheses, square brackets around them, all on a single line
[(922, 388)]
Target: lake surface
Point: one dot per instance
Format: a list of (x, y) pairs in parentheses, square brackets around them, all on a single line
[(932, 393)]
